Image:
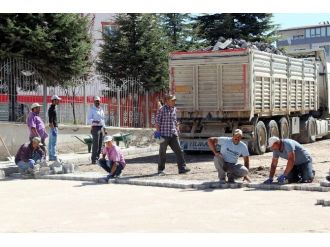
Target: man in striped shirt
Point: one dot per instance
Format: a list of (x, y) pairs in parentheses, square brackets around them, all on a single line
[(167, 127)]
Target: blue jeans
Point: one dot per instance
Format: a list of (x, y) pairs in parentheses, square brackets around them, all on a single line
[(107, 166), (52, 145), (301, 173), (24, 166)]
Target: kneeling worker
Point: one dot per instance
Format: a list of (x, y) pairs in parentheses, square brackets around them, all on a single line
[(28, 156), (225, 161), (299, 167), (115, 163)]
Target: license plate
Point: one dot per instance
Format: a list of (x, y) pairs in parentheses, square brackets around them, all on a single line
[(195, 145)]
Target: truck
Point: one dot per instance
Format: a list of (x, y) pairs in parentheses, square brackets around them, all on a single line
[(261, 93)]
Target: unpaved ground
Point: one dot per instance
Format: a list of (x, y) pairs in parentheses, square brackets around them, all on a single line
[(202, 168)]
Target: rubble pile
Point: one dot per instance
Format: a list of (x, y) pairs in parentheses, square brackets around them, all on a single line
[(227, 44)]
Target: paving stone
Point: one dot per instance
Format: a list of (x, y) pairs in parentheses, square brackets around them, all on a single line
[(325, 183), (319, 202), (2, 174)]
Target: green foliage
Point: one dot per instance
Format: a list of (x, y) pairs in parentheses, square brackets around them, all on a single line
[(179, 31), (248, 26), (57, 44), (137, 48)]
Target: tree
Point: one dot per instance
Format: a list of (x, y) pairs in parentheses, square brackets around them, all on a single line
[(179, 31), (248, 26), (136, 49), (58, 46)]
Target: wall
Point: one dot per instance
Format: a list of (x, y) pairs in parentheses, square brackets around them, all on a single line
[(16, 134)]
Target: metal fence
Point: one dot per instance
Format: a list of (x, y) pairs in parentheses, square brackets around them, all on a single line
[(126, 103)]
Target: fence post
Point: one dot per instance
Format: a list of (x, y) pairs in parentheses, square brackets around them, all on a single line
[(44, 107), (118, 106), (148, 110), (85, 102)]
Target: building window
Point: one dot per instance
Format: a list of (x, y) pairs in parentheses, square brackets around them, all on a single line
[(327, 49), (323, 34), (308, 33), (300, 36), (328, 31)]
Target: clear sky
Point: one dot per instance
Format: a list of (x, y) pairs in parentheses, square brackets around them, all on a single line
[(287, 20)]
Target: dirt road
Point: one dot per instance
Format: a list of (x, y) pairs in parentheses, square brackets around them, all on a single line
[(202, 167)]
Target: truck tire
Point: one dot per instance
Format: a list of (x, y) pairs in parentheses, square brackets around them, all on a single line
[(261, 138), (272, 130), (307, 130), (284, 128)]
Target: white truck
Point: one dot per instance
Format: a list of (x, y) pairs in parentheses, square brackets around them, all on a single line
[(262, 94)]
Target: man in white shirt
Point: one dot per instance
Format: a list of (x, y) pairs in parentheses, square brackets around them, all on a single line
[(96, 119), (225, 161)]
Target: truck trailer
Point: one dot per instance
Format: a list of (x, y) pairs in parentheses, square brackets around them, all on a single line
[(262, 94)]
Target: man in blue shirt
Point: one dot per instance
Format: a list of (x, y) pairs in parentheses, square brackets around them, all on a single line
[(225, 161), (96, 119), (299, 167)]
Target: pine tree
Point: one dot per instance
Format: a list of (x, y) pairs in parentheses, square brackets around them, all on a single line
[(136, 49), (248, 26)]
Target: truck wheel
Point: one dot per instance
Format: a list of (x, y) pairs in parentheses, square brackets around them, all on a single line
[(284, 128), (261, 138), (307, 130), (272, 130)]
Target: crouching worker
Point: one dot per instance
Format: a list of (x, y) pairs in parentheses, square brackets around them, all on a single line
[(299, 167), (225, 161), (115, 163), (28, 157)]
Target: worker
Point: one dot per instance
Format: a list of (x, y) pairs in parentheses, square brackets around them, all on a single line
[(96, 120), (29, 156), (299, 166), (115, 163), (167, 127), (53, 131), (225, 161)]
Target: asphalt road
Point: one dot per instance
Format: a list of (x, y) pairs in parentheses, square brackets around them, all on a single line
[(73, 206)]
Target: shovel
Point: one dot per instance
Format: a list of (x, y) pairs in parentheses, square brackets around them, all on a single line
[(10, 158)]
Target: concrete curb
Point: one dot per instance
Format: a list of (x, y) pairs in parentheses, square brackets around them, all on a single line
[(182, 184)]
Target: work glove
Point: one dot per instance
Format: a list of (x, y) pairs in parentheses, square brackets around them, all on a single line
[(281, 179), (157, 135), (31, 163), (269, 181), (54, 132)]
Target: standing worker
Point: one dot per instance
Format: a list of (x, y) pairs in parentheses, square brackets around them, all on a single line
[(36, 125), (225, 161), (53, 131), (96, 119), (167, 127), (299, 167)]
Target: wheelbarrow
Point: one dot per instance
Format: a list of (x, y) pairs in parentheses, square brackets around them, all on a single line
[(88, 141), (126, 138)]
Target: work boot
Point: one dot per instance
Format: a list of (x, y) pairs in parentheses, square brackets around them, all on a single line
[(184, 170)]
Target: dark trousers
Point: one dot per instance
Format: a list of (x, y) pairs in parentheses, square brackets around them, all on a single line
[(97, 135), (174, 144), (107, 166)]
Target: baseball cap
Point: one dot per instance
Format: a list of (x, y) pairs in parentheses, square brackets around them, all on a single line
[(97, 98), (37, 139), (171, 97), (55, 97), (272, 140), (34, 105), (107, 139), (238, 132)]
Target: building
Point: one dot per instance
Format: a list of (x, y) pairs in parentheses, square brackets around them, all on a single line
[(306, 37)]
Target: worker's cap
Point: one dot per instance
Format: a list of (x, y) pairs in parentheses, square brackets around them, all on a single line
[(55, 97), (171, 97), (272, 140), (97, 98), (34, 105), (107, 139), (37, 139), (238, 132)]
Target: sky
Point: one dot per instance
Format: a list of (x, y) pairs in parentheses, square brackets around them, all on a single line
[(287, 20)]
